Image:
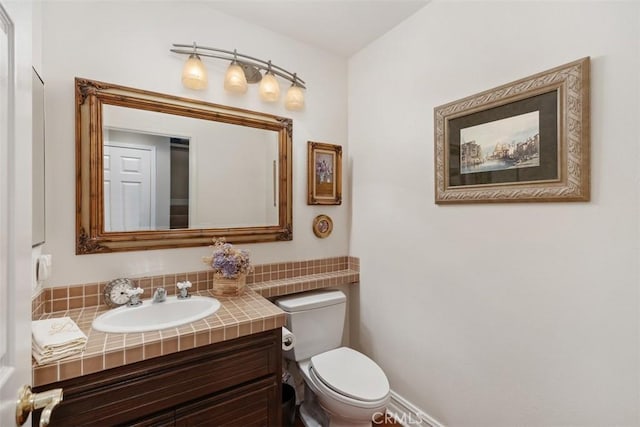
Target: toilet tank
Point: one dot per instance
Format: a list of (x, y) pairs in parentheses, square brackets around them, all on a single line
[(316, 320)]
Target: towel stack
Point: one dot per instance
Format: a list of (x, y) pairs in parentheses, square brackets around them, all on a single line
[(54, 339)]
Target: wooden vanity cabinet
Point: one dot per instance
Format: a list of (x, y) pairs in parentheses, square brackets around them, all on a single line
[(234, 383)]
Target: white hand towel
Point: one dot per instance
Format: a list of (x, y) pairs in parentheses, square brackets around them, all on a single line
[(56, 338), (41, 359)]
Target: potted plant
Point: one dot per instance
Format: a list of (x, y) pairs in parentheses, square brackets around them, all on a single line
[(230, 268)]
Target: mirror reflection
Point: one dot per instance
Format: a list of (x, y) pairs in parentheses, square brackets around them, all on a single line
[(165, 172)]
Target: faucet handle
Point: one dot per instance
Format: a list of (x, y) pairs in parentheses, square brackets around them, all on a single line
[(183, 285), (134, 295), (184, 289)]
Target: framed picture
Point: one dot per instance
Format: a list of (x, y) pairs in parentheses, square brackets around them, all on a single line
[(324, 174), (526, 141), (322, 226)]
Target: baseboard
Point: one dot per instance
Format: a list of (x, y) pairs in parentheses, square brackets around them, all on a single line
[(408, 414)]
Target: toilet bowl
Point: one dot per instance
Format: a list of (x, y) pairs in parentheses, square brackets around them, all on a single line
[(349, 387)]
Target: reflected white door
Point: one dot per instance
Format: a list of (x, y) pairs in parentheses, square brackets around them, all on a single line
[(15, 218), (129, 187)]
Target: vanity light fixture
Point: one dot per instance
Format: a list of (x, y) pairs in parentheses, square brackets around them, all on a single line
[(243, 69), (295, 97), (194, 75), (269, 87), (235, 80)]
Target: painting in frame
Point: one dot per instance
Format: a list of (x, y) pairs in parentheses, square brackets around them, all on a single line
[(525, 141), (324, 174)]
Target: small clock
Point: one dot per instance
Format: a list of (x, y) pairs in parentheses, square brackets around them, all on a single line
[(115, 292)]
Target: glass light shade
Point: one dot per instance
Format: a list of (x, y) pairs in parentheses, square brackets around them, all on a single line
[(294, 100), (269, 88), (235, 80), (194, 75)]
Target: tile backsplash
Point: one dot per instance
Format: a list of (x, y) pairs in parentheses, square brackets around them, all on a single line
[(90, 294)]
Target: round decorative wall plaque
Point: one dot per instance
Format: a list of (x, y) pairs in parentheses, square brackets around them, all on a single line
[(322, 226)]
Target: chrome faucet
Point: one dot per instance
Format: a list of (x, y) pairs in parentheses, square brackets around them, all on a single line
[(160, 295), (134, 296), (183, 289)]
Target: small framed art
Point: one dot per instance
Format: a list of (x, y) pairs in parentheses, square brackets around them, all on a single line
[(324, 174)]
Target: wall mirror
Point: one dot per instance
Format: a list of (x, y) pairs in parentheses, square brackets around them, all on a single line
[(159, 171)]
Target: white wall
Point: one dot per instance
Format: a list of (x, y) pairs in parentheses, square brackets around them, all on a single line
[(534, 325), (228, 193), (128, 43)]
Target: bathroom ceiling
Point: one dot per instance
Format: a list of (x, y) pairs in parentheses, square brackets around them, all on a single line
[(339, 26)]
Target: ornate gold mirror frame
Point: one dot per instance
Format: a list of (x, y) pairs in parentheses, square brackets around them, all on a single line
[(91, 236)]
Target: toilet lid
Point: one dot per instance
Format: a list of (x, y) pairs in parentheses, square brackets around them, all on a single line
[(351, 374)]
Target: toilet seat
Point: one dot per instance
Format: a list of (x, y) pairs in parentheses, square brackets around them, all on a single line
[(350, 377), (327, 393)]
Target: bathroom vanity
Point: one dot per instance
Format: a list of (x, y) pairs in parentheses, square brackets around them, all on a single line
[(224, 369), (234, 382)]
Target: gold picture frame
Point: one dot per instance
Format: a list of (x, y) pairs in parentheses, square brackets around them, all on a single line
[(324, 173), (525, 141), (91, 234), (322, 226)]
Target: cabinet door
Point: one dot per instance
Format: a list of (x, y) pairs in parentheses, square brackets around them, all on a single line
[(165, 419), (135, 391), (250, 405)]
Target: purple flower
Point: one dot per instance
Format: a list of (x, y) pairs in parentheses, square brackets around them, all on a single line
[(228, 261)]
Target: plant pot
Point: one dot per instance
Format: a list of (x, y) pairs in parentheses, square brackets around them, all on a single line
[(228, 286)]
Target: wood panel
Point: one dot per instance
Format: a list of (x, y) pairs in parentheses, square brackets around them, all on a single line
[(244, 406), (144, 389), (165, 419)]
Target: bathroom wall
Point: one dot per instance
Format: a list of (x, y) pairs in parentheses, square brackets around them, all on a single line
[(128, 43), (498, 315)]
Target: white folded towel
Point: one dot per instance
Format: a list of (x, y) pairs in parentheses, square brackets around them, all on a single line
[(54, 339), (42, 359)]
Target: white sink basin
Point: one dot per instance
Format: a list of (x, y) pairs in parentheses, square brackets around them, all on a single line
[(150, 316)]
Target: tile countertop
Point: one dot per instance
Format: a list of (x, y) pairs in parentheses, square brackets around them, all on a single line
[(237, 316)]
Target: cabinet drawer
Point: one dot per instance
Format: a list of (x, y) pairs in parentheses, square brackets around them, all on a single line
[(244, 406)]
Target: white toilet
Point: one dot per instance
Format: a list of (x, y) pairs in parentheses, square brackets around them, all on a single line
[(350, 387)]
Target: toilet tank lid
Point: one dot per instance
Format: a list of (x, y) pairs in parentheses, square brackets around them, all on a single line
[(309, 300)]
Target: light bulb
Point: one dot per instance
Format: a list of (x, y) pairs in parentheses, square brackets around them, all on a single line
[(235, 80), (269, 88), (194, 75), (294, 100)]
